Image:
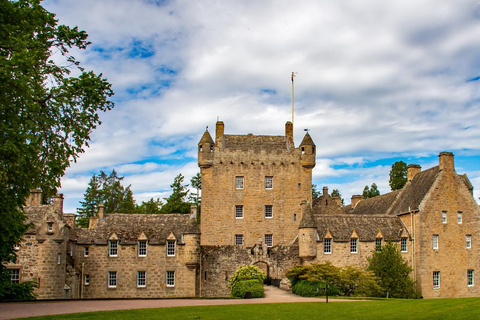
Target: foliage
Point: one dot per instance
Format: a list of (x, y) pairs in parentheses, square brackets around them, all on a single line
[(150, 206), (305, 288), (249, 272), (47, 115), (176, 203), (315, 193), (357, 282), (371, 192), (196, 183), (242, 287), (393, 272), (336, 193), (106, 189), (15, 291), (398, 175)]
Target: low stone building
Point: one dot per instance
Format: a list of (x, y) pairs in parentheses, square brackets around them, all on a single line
[(256, 209)]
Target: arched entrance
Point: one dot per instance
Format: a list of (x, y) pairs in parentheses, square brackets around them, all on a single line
[(264, 267)]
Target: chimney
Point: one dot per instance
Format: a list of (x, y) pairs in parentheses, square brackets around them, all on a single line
[(337, 200), (35, 198), (412, 170), (219, 131), (356, 199), (101, 211), (325, 191), (193, 211), (445, 160), (289, 134), (58, 203)]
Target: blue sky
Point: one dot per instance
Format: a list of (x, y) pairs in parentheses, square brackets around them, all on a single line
[(377, 82)]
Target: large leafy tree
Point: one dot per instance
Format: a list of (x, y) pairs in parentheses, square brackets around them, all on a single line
[(46, 114), (371, 192), (398, 175), (176, 203), (106, 189)]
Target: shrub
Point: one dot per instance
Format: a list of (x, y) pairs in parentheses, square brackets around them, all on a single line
[(245, 273), (17, 291), (242, 287), (305, 288)]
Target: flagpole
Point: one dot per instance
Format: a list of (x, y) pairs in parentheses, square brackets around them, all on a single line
[(293, 76)]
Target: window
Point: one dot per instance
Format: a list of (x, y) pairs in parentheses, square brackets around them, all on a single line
[(269, 240), (470, 278), (327, 245), (112, 279), (468, 240), (268, 182), (444, 217), (85, 251), (294, 217), (87, 279), (238, 212), (435, 241), (268, 211), (403, 244), (71, 249), (459, 217), (59, 258), (170, 248), (113, 248), (141, 279), (14, 275), (142, 248), (238, 182), (353, 245), (239, 239), (436, 279), (378, 244), (170, 278), (50, 227)]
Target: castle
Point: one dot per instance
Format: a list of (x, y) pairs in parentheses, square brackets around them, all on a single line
[(256, 209)]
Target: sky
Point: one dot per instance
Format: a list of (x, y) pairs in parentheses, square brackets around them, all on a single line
[(377, 82)]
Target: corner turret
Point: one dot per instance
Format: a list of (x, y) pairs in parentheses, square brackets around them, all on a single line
[(308, 152), (205, 150), (307, 233)]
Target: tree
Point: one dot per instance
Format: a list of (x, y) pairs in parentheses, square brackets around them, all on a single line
[(393, 272), (150, 206), (176, 202), (196, 182), (336, 193), (371, 192), (398, 175), (47, 115), (106, 189), (315, 193)]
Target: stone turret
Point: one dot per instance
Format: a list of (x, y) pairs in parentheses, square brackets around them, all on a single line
[(307, 232), (205, 150), (308, 152)]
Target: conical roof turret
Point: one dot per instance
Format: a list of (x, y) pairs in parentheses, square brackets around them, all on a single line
[(206, 138), (308, 221), (307, 140)]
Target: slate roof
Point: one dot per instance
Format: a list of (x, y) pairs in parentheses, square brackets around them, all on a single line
[(128, 228), (376, 205), (256, 143), (366, 226), (206, 138), (308, 220), (307, 140)]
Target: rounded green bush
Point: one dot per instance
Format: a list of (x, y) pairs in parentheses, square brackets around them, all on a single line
[(305, 288), (242, 287)]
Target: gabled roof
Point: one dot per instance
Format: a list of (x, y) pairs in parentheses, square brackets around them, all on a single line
[(376, 205), (129, 227), (307, 140), (415, 191), (255, 143), (366, 226)]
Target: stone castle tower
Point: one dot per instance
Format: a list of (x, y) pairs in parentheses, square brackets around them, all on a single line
[(253, 187)]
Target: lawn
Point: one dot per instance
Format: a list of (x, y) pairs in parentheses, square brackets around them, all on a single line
[(468, 308)]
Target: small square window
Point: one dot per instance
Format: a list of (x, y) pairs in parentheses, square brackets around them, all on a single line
[(87, 279), (238, 182), (170, 278), (459, 217), (327, 245), (170, 248), (50, 227), (59, 258), (113, 248), (239, 239), (268, 182), (142, 248), (353, 245), (268, 211), (238, 212), (85, 251), (468, 240), (436, 279), (112, 279), (444, 217), (141, 279), (294, 217), (14, 275), (403, 244), (435, 242), (470, 278), (378, 244), (269, 240)]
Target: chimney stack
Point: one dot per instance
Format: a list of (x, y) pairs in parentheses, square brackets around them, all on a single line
[(325, 191), (219, 131), (101, 211), (35, 198), (193, 211), (356, 199), (58, 203), (289, 134), (445, 160), (412, 170)]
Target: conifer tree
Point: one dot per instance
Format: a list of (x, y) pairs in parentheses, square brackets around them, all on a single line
[(398, 175)]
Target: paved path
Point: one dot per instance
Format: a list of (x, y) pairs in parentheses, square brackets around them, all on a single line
[(43, 308)]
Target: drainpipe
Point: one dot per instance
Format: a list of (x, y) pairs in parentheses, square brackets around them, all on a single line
[(81, 282)]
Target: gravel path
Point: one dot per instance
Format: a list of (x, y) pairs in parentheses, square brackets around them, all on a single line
[(42, 308)]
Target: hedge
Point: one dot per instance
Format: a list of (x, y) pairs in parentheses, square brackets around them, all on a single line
[(242, 287), (305, 288)]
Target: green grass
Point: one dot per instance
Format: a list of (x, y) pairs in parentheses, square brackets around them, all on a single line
[(468, 308)]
